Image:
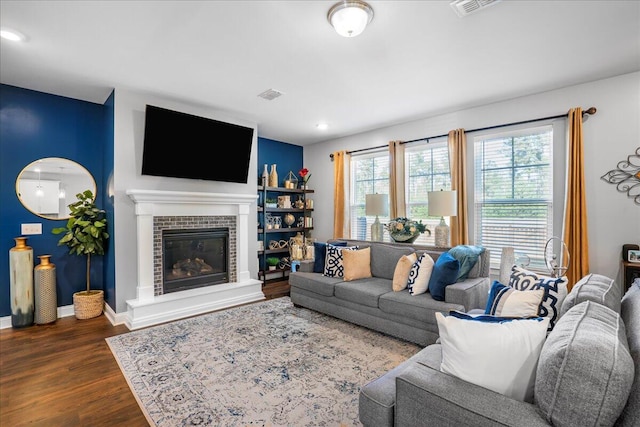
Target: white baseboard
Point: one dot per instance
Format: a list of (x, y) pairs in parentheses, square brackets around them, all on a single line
[(64, 311)]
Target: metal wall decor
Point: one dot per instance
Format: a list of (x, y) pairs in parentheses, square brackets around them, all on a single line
[(626, 176)]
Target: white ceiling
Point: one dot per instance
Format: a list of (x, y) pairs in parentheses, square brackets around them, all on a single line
[(416, 59)]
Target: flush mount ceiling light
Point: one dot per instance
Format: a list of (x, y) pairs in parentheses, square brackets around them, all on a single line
[(350, 17), (322, 126)]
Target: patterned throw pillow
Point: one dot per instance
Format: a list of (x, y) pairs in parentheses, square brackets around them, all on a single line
[(418, 282), (401, 273), (320, 254), (505, 301), (555, 291), (333, 266)]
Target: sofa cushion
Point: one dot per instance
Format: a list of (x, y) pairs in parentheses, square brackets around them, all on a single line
[(506, 301), (363, 291), (418, 281), (596, 288), (314, 282), (333, 266), (422, 308), (384, 259), (467, 256), (357, 264), (500, 354), (585, 370), (401, 273), (445, 272), (320, 253), (630, 313), (555, 290)]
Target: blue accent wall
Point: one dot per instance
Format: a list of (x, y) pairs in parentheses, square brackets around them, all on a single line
[(34, 125)]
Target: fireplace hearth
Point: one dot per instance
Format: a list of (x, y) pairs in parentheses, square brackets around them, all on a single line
[(194, 258)]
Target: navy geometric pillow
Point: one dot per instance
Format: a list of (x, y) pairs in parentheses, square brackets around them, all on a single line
[(555, 291), (333, 262)]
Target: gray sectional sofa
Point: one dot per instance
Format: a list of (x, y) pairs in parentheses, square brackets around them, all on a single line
[(588, 373), (372, 303)]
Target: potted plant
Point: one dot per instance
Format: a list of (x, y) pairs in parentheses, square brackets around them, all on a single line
[(273, 262), (85, 234), (271, 203)]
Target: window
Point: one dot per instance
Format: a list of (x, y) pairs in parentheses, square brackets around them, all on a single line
[(426, 169), (369, 175), (513, 194)]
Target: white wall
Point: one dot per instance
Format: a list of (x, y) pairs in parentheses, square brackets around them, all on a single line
[(128, 144), (609, 137)]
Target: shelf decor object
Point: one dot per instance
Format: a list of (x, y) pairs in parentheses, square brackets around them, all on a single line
[(376, 204), (46, 298), (21, 283), (405, 230), (273, 176), (291, 181), (442, 203)]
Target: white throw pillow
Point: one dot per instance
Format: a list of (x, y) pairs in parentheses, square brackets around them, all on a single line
[(418, 282), (496, 353)]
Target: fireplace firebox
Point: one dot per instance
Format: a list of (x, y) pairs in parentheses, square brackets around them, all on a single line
[(194, 258)]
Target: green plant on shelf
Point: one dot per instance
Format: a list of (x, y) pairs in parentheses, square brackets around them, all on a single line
[(272, 262)]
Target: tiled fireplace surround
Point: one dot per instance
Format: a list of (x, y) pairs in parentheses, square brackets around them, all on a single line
[(157, 210)]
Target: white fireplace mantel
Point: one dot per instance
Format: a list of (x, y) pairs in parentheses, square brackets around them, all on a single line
[(148, 309)]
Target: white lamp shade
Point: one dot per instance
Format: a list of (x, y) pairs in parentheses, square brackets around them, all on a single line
[(443, 203), (376, 204), (350, 17)]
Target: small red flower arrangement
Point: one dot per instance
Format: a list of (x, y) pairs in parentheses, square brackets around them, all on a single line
[(304, 175)]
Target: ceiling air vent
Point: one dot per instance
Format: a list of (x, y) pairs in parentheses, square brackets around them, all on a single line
[(270, 94), (467, 7)]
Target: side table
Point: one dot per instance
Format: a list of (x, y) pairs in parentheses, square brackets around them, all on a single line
[(630, 271)]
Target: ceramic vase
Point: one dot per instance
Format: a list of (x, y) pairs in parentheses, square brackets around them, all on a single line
[(265, 176), (21, 283), (46, 298), (273, 176)]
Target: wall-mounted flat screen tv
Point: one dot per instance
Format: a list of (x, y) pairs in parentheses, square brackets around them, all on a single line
[(182, 145)]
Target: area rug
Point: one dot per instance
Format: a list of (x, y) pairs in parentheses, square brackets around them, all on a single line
[(266, 364)]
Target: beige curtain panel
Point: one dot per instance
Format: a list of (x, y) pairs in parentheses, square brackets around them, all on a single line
[(340, 159), (396, 179), (575, 216), (457, 142)]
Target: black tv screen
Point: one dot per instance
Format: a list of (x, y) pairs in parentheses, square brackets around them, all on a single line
[(182, 145)]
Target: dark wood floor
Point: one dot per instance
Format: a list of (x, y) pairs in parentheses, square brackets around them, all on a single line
[(64, 374)]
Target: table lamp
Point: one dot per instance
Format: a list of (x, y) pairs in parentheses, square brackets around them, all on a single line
[(442, 203), (377, 204)]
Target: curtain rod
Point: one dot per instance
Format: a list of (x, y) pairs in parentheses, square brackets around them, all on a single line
[(590, 111)]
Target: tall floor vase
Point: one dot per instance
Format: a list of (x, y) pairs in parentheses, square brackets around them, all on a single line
[(45, 291), (21, 283)]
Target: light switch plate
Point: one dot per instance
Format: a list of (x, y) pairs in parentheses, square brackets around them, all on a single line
[(34, 228)]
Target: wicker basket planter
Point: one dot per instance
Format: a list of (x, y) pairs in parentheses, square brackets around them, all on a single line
[(88, 304)]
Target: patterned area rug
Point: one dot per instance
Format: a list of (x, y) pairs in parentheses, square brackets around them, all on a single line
[(266, 364)]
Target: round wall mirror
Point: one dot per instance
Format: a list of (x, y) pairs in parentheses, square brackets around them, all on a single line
[(47, 186)]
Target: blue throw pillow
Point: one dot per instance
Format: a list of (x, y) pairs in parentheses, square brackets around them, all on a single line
[(445, 272), (467, 256), (320, 253)]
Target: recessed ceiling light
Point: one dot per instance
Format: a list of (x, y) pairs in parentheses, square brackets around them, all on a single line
[(13, 35), (322, 126)]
